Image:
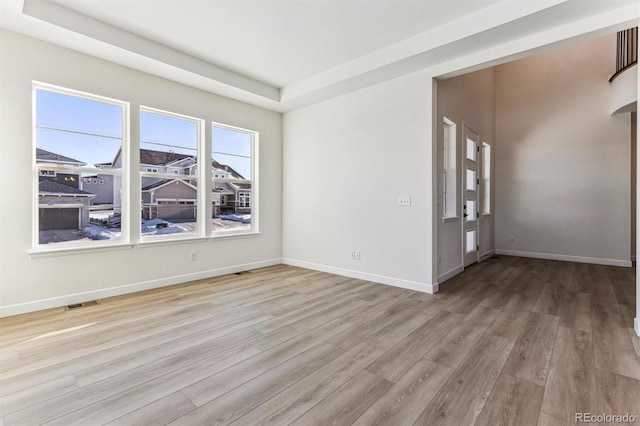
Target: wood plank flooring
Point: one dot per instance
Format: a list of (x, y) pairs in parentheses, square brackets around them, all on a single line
[(511, 341)]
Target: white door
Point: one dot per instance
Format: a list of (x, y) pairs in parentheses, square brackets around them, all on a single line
[(470, 182)]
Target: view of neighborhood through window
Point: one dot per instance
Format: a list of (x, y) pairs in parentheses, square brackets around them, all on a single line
[(82, 157), (232, 151), (77, 138), (169, 173)]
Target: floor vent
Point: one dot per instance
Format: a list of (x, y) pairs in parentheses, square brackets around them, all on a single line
[(81, 305)]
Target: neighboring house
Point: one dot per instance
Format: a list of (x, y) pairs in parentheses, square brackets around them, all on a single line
[(69, 179), (62, 204), (101, 185), (169, 199), (229, 196), (177, 198)]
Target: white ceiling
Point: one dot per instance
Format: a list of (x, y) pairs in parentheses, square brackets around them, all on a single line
[(284, 54), (276, 42)]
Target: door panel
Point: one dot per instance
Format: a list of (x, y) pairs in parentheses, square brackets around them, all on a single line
[(470, 198)]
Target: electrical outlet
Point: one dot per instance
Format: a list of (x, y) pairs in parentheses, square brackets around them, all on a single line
[(439, 258), (194, 256), (357, 255), (513, 239), (404, 200), (353, 254)]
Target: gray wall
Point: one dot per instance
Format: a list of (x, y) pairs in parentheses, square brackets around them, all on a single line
[(563, 169)]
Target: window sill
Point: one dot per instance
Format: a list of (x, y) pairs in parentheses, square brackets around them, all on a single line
[(225, 235), (65, 251), (151, 241), (42, 252), (450, 219)]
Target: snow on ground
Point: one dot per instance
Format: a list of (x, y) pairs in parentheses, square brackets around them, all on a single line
[(150, 227), (242, 218), (95, 232), (226, 223)]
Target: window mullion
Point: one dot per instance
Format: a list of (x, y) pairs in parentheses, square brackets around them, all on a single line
[(206, 174)]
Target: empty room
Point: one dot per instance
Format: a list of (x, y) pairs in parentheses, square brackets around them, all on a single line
[(261, 212)]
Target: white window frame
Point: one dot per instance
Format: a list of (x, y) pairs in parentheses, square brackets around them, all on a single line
[(254, 181), (200, 178), (124, 172), (130, 237), (449, 171)]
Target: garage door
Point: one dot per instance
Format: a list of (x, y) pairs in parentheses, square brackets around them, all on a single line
[(59, 219), (168, 211)]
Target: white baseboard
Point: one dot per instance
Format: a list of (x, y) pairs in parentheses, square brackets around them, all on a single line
[(565, 258), (636, 326), (380, 279), (450, 274), (487, 254), (55, 302)]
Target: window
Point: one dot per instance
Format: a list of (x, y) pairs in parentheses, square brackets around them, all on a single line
[(81, 180), (471, 180), (470, 242), (169, 199), (234, 154), (73, 132), (486, 178), (449, 178), (471, 149), (245, 199), (471, 210)]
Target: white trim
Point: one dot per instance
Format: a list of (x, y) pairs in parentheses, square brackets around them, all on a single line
[(566, 258), (636, 326), (450, 274), (487, 254), (380, 279), (55, 302), (69, 248)]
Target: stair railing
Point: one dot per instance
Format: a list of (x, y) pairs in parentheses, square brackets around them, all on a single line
[(627, 51)]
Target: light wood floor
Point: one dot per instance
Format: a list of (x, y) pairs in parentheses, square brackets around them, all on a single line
[(510, 341)]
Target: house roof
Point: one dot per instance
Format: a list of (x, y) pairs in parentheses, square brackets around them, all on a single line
[(164, 182), (222, 187), (155, 185), (227, 169), (52, 187), (48, 156), (159, 158)]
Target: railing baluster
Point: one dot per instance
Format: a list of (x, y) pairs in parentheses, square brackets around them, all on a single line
[(626, 50)]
